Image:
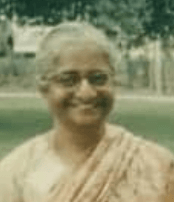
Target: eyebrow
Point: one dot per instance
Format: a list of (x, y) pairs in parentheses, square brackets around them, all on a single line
[(68, 72), (77, 72)]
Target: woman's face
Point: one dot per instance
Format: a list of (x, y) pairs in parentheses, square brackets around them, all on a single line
[(81, 92)]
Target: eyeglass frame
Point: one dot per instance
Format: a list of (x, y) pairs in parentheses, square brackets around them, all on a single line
[(51, 78)]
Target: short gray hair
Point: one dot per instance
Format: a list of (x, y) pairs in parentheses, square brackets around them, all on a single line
[(65, 33)]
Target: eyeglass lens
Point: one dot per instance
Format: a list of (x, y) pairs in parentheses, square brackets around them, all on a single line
[(72, 79)]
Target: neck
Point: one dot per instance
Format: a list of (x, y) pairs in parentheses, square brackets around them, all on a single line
[(76, 142)]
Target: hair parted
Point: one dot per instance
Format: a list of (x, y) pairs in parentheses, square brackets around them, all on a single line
[(68, 33)]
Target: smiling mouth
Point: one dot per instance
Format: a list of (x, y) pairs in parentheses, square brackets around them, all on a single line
[(98, 103), (85, 106)]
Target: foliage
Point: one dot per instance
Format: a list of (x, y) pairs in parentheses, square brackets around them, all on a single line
[(133, 17), (125, 14), (50, 12), (162, 18)]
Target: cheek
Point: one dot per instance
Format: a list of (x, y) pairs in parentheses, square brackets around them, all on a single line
[(59, 99), (106, 99)]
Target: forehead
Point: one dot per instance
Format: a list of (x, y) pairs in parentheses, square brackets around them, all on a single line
[(80, 55)]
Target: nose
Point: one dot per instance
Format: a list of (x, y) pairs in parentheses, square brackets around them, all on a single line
[(85, 91)]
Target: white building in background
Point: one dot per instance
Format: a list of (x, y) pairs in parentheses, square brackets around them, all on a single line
[(26, 37), (19, 39), (6, 35)]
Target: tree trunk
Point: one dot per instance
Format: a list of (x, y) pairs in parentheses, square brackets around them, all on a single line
[(149, 54), (158, 67)]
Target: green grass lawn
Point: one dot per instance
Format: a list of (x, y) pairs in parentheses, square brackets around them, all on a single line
[(22, 118)]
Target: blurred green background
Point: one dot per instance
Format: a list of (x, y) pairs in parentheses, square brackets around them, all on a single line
[(23, 118)]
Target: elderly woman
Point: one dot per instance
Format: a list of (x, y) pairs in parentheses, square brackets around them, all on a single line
[(83, 158)]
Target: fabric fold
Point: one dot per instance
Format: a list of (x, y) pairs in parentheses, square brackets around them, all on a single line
[(93, 182)]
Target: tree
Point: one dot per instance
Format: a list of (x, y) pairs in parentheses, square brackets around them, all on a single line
[(50, 11), (162, 18)]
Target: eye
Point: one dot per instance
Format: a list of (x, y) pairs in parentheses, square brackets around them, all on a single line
[(98, 79), (67, 79)]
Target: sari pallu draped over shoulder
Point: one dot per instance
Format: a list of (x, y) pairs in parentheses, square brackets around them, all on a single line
[(94, 181)]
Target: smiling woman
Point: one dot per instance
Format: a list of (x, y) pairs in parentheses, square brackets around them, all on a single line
[(83, 158)]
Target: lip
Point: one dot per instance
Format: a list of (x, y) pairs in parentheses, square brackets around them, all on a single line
[(84, 106), (88, 107), (93, 104)]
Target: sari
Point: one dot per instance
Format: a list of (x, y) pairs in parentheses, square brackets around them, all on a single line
[(122, 168), (95, 179)]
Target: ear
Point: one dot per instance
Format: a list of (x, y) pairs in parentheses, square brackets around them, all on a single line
[(42, 94), (44, 97), (39, 94), (114, 81), (115, 85)]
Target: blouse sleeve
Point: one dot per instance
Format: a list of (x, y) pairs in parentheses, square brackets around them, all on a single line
[(9, 188), (169, 197), (13, 168), (162, 162)]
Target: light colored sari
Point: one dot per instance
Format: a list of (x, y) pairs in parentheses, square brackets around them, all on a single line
[(94, 181), (123, 168)]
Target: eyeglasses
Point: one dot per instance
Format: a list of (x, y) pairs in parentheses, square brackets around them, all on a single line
[(73, 79)]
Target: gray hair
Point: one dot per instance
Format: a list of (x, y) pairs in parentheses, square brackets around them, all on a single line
[(68, 33)]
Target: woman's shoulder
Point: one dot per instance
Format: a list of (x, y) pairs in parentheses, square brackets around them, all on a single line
[(20, 156), (147, 150), (156, 152), (151, 162)]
